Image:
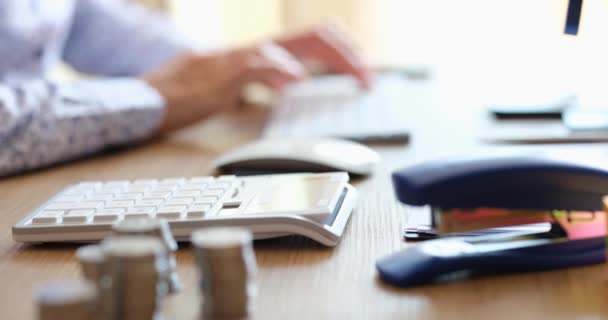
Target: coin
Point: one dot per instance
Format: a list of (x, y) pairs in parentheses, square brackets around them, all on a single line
[(91, 260), (68, 299), (158, 228), (227, 269), (94, 268), (135, 265)]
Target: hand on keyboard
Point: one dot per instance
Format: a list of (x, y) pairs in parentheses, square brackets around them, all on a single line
[(328, 45), (195, 85), (333, 106)]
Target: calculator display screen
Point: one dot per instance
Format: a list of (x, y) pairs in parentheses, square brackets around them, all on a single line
[(296, 195)]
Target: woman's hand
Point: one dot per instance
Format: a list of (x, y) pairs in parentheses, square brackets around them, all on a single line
[(197, 85), (329, 46)]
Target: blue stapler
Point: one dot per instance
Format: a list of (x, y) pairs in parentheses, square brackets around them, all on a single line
[(559, 200)]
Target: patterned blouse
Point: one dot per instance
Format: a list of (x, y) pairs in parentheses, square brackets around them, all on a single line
[(44, 121)]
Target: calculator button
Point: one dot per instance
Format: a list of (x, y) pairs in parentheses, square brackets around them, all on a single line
[(108, 215), (220, 185), (231, 204), (120, 204), (163, 189), (47, 217), (156, 195), (148, 182), (75, 191), (187, 193), (116, 184), (128, 196), (110, 211), (77, 216), (203, 200), (138, 188), (67, 199), (172, 181), (105, 217), (237, 196), (140, 212), (194, 186), (130, 215), (74, 205), (168, 215), (170, 212), (179, 201), (213, 192), (100, 197), (109, 192), (198, 211), (149, 202), (90, 184)]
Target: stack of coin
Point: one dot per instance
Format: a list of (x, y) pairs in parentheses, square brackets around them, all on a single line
[(227, 268), (93, 267), (92, 261), (135, 265), (160, 229), (74, 300)]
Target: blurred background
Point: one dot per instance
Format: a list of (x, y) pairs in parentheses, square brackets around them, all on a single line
[(499, 46)]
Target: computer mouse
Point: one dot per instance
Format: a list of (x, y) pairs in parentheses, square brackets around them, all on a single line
[(525, 181), (300, 155)]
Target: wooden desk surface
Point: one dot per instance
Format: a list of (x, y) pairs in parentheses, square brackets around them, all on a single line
[(298, 278)]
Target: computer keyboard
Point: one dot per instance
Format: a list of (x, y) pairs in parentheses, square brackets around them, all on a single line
[(336, 106), (313, 205)]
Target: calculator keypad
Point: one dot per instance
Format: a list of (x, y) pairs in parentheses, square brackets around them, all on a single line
[(172, 199), (273, 205)]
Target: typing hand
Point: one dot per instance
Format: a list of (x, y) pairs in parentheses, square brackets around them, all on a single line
[(329, 46), (197, 85)]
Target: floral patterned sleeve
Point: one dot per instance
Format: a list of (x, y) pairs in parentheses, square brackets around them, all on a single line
[(42, 122)]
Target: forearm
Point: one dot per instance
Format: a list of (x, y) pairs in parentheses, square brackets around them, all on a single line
[(42, 123)]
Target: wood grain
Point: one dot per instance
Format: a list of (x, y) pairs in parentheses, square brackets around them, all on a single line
[(297, 277)]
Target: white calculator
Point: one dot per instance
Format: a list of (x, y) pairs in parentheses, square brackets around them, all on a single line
[(316, 206)]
